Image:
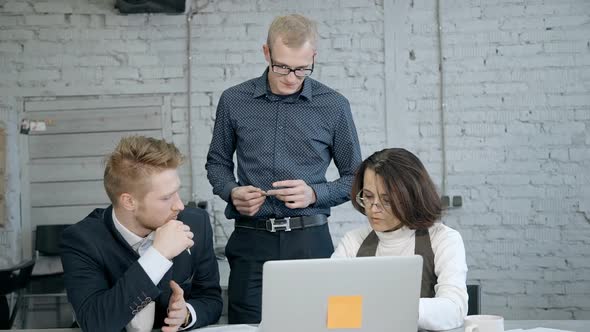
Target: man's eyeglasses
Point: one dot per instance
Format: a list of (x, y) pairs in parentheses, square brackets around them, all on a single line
[(367, 202), (286, 70)]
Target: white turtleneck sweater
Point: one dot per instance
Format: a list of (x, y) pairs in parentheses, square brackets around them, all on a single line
[(447, 309)]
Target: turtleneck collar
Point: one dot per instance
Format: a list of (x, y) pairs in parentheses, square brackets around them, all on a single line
[(395, 238)]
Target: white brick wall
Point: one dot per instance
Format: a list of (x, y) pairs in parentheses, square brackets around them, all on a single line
[(517, 91), (517, 87), (8, 234)]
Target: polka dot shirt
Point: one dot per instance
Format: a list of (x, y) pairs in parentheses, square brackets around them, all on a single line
[(283, 138)]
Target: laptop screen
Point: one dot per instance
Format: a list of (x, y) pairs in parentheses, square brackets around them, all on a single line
[(355, 294)]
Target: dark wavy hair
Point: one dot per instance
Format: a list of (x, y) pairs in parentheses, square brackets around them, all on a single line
[(412, 194)]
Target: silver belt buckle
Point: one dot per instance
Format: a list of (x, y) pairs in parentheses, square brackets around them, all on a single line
[(282, 224)]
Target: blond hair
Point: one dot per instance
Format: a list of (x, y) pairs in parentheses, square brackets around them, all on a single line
[(127, 169), (294, 30)]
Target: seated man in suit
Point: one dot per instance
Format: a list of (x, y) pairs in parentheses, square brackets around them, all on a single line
[(145, 261)]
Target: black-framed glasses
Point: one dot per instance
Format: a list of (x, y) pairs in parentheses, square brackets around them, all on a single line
[(286, 70), (369, 201)]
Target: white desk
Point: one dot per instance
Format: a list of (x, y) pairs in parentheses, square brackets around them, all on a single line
[(568, 325)]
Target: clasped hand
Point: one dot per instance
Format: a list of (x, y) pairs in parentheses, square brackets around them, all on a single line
[(295, 193)]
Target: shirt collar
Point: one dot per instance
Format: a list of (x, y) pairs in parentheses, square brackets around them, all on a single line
[(261, 87), (131, 238), (396, 237)]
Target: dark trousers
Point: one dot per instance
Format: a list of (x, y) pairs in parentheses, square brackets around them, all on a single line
[(248, 249), (4, 313)]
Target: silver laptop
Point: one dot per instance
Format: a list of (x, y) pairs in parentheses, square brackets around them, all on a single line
[(312, 295)]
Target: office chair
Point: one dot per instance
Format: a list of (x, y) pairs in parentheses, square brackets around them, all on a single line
[(474, 302), (47, 277), (13, 281)]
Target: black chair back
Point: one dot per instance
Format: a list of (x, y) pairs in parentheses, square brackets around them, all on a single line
[(13, 280), (47, 239), (474, 303), (47, 280), (16, 277)]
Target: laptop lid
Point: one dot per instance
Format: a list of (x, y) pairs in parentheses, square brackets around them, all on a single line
[(360, 294)]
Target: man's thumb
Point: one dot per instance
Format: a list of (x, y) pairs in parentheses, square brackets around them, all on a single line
[(176, 290)]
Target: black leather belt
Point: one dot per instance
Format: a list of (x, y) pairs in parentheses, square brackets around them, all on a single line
[(281, 224)]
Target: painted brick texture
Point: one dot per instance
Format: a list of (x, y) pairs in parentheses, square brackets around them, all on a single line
[(517, 101)]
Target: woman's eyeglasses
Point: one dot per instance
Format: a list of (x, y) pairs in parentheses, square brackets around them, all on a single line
[(367, 202)]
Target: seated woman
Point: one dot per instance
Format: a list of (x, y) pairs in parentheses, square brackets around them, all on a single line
[(393, 189)]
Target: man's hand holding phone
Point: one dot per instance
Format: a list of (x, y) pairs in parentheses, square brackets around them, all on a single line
[(247, 199), (295, 193)]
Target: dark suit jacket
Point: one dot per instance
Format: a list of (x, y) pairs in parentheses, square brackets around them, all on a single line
[(107, 287)]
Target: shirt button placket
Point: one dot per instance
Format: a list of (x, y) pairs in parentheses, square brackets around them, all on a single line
[(278, 141)]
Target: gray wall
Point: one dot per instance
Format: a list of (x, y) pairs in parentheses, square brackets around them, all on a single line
[(517, 90), (517, 83)]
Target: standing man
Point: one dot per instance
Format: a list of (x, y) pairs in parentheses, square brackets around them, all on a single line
[(145, 261), (285, 128)]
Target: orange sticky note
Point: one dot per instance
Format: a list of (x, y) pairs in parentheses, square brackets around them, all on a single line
[(345, 312)]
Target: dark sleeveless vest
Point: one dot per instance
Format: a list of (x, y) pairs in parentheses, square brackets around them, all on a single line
[(423, 247)]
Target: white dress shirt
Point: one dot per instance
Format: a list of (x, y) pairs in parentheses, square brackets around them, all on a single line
[(155, 266)]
